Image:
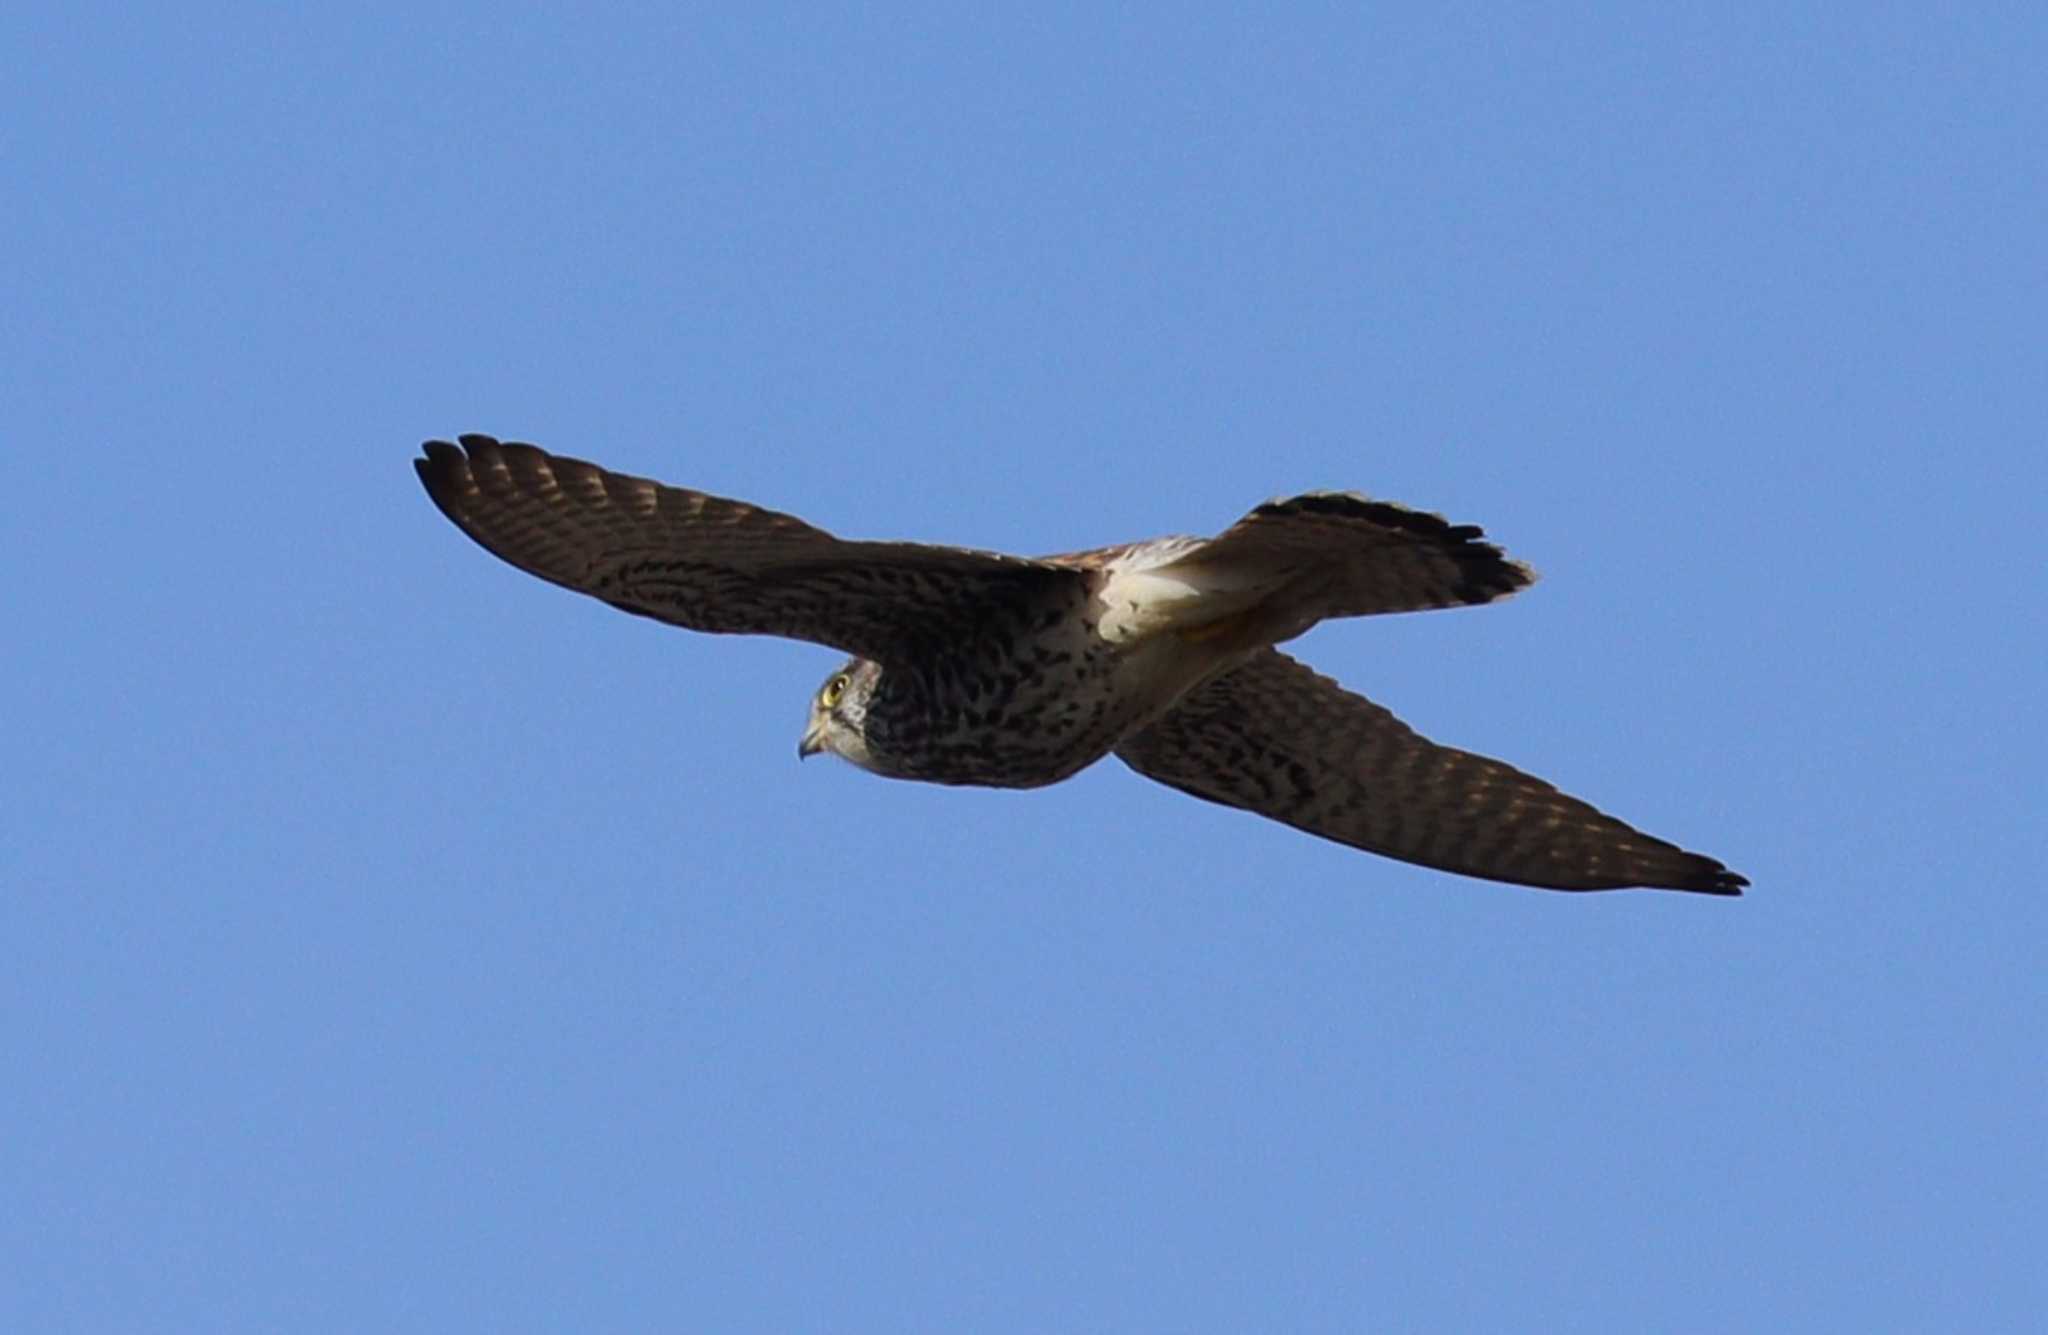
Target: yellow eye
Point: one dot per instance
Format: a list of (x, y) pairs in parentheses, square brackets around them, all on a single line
[(833, 690)]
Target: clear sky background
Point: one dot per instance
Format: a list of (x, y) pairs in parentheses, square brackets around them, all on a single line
[(390, 941)]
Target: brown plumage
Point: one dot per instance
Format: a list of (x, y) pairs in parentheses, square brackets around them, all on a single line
[(973, 667)]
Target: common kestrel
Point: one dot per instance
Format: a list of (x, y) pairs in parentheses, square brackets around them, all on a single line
[(971, 667)]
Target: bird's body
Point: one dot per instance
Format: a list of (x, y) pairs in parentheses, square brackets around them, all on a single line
[(1031, 694), (1026, 698), (976, 668)]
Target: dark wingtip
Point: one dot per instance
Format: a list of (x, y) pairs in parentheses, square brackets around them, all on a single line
[(444, 469), (446, 452), (438, 463), (1714, 879), (439, 458)]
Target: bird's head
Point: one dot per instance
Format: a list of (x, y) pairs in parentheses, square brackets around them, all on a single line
[(839, 714)]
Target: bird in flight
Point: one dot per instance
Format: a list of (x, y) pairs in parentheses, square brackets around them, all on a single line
[(972, 667)]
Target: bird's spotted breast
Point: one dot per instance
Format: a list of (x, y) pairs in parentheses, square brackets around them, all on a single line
[(1033, 697)]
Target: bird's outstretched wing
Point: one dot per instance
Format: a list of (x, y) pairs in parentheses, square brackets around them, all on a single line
[(1338, 554), (707, 563), (1275, 738)]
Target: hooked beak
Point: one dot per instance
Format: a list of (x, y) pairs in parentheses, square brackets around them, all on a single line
[(813, 740)]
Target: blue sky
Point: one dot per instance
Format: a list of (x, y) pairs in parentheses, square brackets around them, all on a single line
[(393, 942)]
